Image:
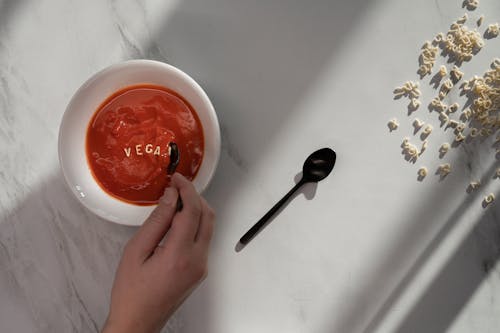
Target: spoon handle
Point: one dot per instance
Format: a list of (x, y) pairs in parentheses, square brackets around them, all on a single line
[(262, 222)]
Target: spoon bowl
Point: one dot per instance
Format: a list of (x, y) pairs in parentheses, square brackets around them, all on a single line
[(318, 165)]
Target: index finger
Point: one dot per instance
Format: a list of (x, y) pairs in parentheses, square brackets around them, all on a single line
[(156, 225), (187, 221)]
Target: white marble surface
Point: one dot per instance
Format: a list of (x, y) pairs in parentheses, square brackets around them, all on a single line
[(373, 251)]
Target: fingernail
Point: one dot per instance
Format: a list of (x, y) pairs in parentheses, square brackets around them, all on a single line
[(169, 196), (178, 175)]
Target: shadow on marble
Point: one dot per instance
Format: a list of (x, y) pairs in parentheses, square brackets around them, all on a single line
[(308, 190), (256, 62), (459, 279), (420, 219), (59, 261), (457, 286), (7, 9)]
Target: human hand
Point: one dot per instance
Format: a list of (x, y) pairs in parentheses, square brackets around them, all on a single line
[(153, 279)]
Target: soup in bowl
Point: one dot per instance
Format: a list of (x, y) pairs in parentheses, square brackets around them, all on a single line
[(117, 132)]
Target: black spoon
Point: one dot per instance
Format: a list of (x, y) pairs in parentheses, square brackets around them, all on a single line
[(175, 157), (316, 167)]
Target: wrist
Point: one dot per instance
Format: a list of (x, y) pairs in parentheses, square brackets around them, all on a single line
[(114, 327), (122, 326)]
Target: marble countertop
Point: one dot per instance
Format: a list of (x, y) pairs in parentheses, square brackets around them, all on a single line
[(370, 249)]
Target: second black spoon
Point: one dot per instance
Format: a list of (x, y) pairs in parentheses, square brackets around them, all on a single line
[(316, 167)]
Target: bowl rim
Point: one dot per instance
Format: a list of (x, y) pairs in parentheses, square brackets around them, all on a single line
[(195, 85)]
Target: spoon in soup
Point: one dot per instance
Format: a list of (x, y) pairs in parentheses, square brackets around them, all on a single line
[(175, 157), (316, 167)]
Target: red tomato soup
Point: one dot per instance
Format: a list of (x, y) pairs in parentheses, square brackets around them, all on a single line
[(127, 142)]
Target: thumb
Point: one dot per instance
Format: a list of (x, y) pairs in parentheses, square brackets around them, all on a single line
[(156, 225)]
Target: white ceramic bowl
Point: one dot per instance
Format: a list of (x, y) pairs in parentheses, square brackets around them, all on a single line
[(83, 105)]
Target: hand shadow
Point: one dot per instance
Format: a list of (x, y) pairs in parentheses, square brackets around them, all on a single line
[(308, 190)]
